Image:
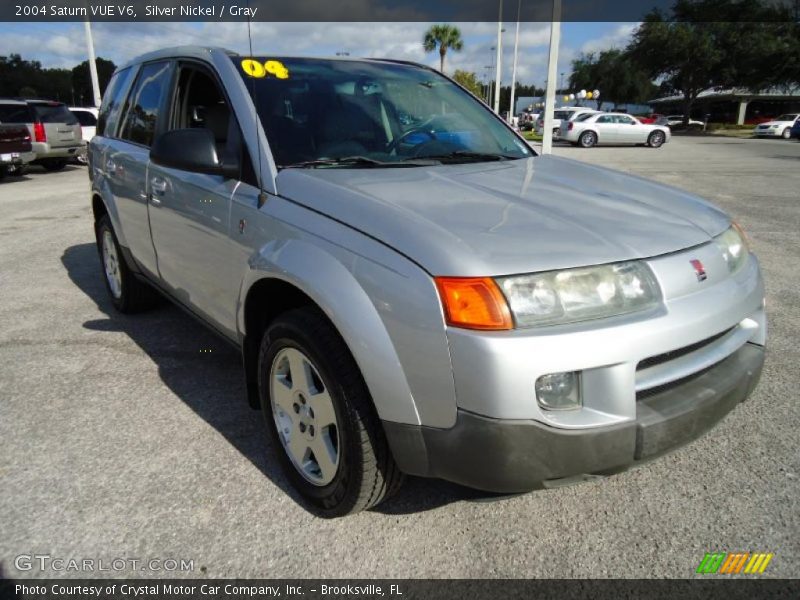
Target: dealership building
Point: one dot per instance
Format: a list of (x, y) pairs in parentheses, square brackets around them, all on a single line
[(733, 105)]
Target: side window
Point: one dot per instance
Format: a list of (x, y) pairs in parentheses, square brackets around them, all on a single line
[(200, 103), (144, 103), (622, 120), (112, 103), (605, 119)]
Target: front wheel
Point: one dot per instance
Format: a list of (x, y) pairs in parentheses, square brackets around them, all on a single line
[(587, 139), (320, 417), (656, 139), (787, 133)]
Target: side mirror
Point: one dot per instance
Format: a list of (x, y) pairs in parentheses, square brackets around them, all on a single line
[(191, 150)]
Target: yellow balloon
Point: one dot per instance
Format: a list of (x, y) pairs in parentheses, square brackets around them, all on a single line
[(566, 98), (589, 95)]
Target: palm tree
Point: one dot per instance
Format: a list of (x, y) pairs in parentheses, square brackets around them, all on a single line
[(443, 36)]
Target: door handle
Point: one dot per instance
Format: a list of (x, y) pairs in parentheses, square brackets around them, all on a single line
[(158, 186)]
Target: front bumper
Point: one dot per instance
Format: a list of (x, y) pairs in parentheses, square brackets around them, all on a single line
[(511, 456)]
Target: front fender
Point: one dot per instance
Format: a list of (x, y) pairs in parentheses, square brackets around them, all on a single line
[(334, 288)]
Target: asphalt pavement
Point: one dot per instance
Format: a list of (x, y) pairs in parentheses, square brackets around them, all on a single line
[(129, 437)]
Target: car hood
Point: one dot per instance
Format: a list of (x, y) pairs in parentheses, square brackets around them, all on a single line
[(518, 216), (769, 123)]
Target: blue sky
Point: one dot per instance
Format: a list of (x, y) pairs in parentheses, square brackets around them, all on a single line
[(63, 44)]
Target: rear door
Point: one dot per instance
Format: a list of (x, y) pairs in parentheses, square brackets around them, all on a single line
[(126, 158), (606, 126), (60, 126)]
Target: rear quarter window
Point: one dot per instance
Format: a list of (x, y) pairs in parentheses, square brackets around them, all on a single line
[(113, 100), (85, 118)]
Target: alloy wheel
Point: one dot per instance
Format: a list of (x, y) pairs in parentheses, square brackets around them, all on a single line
[(304, 416)]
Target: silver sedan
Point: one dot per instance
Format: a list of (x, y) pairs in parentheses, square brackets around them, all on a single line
[(613, 128)]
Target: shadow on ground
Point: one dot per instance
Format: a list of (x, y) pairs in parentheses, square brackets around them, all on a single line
[(205, 372)]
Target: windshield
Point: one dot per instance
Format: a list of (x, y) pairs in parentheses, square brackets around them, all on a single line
[(326, 113), (786, 118)]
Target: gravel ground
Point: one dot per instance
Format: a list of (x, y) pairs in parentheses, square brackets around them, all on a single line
[(121, 439)]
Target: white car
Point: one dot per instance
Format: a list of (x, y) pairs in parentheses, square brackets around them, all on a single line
[(779, 127), (613, 128), (87, 117)]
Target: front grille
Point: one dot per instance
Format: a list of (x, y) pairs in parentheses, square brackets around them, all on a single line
[(673, 354)]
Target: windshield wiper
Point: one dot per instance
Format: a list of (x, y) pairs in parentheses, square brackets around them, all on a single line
[(457, 155), (353, 161)]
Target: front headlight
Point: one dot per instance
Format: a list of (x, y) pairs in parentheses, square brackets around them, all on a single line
[(733, 244), (572, 295)]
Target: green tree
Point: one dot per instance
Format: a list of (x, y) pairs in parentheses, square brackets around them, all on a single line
[(718, 43), (82, 80), (615, 73), (443, 37), (469, 80)]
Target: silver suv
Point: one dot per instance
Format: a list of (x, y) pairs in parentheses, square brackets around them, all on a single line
[(412, 288)]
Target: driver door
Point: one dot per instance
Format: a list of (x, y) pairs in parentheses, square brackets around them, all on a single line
[(190, 212)]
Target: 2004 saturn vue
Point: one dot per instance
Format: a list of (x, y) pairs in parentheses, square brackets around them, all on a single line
[(413, 289)]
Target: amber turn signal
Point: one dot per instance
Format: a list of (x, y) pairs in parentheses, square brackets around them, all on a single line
[(474, 303)]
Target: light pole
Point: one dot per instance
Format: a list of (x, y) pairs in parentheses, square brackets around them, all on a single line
[(512, 110), (92, 64), (552, 71), (499, 59)]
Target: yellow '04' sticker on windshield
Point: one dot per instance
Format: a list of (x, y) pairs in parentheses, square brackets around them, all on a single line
[(259, 70)]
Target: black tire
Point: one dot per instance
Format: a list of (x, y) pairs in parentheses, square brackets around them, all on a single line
[(587, 139), (787, 133), (54, 164), (134, 294), (19, 171), (656, 139), (556, 133), (366, 473)]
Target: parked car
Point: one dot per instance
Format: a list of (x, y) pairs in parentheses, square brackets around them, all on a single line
[(15, 149), (55, 132), (558, 115), (677, 121), (87, 117), (613, 128), (653, 119), (780, 126), (431, 298)]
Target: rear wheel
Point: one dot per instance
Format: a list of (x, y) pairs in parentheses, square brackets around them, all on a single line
[(54, 164), (587, 139), (556, 133), (321, 418), (128, 294), (656, 139)]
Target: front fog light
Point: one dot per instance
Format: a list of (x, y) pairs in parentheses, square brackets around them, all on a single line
[(559, 391)]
